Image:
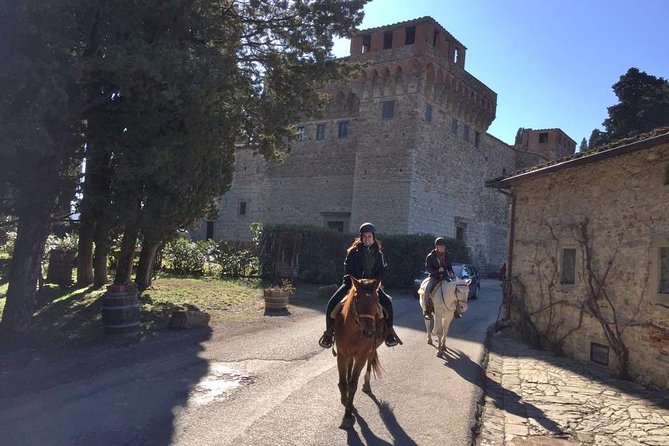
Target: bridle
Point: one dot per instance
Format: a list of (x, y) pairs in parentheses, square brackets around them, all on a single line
[(357, 316)]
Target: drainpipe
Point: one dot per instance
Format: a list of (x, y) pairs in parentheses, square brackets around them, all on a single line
[(509, 261)]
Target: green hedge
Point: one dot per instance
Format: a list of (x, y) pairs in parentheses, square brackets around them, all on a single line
[(405, 255), (321, 253)]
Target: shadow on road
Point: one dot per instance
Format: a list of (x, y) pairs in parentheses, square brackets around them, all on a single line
[(503, 398), (106, 395)]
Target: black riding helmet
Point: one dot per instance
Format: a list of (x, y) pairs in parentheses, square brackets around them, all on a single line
[(440, 241), (367, 227)]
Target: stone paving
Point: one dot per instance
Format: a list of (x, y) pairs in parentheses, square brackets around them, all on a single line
[(535, 398)]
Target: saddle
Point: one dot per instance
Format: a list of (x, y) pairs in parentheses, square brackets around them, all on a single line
[(460, 308)]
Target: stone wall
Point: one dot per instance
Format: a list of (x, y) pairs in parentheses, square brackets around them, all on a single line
[(622, 201)]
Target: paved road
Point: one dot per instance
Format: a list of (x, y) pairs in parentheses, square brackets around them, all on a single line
[(273, 386)]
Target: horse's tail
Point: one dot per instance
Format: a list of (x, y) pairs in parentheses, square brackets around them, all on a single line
[(375, 364)]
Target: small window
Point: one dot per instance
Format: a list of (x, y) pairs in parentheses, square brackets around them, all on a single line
[(454, 126), (568, 276), (477, 139), (320, 132), (666, 175), (410, 33), (387, 40), (435, 37), (301, 136), (388, 110), (428, 113), (343, 129), (543, 137), (664, 271), (210, 230), (460, 231), (366, 43), (242, 208), (336, 225), (599, 353), (465, 134)]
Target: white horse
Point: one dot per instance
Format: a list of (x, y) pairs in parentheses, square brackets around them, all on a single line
[(446, 297)]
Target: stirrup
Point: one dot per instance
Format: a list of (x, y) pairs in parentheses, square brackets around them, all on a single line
[(326, 340), (391, 340)]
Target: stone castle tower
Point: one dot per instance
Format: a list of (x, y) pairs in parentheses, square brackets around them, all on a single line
[(403, 146)]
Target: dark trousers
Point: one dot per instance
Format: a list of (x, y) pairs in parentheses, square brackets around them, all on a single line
[(342, 291)]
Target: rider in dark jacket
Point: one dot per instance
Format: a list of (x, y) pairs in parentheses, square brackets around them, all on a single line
[(438, 265), (364, 260)]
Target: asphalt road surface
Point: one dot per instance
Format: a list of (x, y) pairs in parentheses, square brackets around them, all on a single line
[(269, 386)]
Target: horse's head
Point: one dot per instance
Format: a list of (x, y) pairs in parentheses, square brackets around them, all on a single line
[(462, 294), (363, 305), (462, 289)]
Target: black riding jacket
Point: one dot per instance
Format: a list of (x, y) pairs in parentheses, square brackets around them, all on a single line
[(353, 265), (432, 265)]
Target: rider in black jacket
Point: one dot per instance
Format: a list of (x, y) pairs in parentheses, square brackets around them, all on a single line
[(364, 260), (438, 265)]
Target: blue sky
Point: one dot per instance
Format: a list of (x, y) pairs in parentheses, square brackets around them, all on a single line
[(551, 63)]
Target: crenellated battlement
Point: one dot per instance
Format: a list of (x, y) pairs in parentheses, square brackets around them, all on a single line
[(420, 56)]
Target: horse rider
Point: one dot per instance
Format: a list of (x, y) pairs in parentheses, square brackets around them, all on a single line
[(438, 265), (364, 260)]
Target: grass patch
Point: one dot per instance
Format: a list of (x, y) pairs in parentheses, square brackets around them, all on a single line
[(73, 316), (216, 296)]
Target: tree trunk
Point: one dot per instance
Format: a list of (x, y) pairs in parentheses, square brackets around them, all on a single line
[(85, 249), (125, 258), (34, 222), (101, 252), (145, 268), (93, 216)]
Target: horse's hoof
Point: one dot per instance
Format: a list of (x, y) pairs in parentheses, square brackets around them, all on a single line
[(367, 389), (347, 423), (429, 341), (440, 354)]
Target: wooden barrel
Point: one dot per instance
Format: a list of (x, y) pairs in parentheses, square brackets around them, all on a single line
[(275, 299), (120, 311), (61, 264)]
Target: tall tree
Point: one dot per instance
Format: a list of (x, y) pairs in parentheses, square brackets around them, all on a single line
[(39, 103), (584, 145), (203, 77), (598, 138), (643, 106)]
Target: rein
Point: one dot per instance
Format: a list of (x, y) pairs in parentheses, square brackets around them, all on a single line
[(443, 299)]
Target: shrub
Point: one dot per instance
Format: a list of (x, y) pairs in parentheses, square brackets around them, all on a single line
[(237, 259), (405, 255), (185, 257), (321, 251)]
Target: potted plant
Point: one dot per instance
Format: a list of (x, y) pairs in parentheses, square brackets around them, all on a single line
[(276, 296)]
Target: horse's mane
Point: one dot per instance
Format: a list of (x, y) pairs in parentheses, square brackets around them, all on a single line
[(364, 285)]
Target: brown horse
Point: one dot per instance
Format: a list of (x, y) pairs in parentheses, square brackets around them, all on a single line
[(359, 330)]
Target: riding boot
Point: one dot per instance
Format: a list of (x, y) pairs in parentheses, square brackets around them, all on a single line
[(327, 339), (391, 339), (429, 309)]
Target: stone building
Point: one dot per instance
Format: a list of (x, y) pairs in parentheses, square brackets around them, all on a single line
[(589, 255), (540, 146), (404, 146)]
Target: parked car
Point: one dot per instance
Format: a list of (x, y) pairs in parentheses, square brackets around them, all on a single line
[(462, 271)]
